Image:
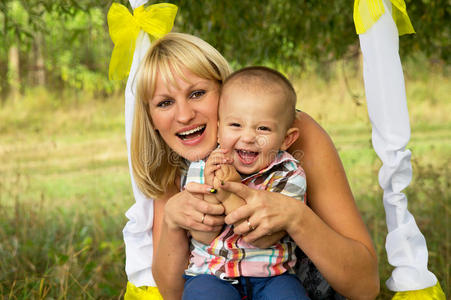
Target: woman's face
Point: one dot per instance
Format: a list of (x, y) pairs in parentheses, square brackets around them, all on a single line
[(186, 114)]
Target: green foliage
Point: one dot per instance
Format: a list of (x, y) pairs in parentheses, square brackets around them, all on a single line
[(60, 218), (288, 35), (432, 22), (292, 32), (83, 52), (76, 45)]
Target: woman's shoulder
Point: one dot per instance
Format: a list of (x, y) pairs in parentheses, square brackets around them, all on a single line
[(314, 143)]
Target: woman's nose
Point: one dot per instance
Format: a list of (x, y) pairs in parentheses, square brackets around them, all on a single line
[(185, 113)]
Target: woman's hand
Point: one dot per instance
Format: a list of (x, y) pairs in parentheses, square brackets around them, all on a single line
[(188, 210), (267, 212)]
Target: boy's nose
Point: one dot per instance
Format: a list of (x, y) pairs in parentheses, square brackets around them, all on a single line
[(248, 136)]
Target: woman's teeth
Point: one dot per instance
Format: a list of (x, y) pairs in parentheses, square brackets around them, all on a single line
[(194, 131)]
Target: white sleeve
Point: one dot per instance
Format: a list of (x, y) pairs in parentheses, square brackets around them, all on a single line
[(387, 109), (138, 230)]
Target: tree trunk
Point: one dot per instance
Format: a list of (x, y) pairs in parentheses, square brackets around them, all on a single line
[(39, 70), (13, 72)]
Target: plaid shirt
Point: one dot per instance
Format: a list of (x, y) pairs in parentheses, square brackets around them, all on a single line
[(228, 256)]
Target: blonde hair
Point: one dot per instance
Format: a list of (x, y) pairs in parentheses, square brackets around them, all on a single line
[(155, 165)]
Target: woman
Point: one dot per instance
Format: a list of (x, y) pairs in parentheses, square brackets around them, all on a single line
[(175, 119)]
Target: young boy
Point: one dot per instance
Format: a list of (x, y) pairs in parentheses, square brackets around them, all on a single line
[(256, 111)]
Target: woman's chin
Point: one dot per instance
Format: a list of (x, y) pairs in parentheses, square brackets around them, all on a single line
[(194, 155), (196, 152)]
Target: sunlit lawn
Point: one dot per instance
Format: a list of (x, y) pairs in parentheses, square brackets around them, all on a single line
[(64, 185)]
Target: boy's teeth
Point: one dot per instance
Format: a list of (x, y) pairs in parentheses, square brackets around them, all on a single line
[(192, 130), (247, 152)]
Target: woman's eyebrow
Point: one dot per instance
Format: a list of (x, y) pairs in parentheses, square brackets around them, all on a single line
[(162, 95), (187, 89), (195, 84)]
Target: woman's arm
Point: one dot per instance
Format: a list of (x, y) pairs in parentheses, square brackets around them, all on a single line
[(170, 254), (330, 198), (173, 214), (330, 231)]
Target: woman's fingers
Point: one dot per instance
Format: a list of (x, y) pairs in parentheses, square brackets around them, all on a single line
[(267, 212), (198, 188), (254, 228), (239, 189), (214, 221), (196, 220), (189, 210), (210, 223), (207, 208), (241, 213)]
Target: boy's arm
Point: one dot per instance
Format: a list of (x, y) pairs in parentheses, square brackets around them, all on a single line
[(229, 200)]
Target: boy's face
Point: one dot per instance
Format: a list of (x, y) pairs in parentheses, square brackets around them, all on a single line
[(252, 126)]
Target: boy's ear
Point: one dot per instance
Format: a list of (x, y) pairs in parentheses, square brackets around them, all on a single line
[(290, 137)]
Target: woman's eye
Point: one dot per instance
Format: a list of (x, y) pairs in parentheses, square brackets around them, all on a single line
[(264, 128), (164, 103), (197, 94)]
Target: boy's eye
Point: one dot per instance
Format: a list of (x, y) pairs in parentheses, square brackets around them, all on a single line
[(264, 128), (197, 94), (165, 103), (235, 124)]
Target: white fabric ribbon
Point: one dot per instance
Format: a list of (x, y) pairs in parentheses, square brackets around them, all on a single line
[(387, 110), (138, 231)]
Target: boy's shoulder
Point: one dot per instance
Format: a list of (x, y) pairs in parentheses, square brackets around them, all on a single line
[(195, 172), (284, 160), (284, 165), (286, 177)]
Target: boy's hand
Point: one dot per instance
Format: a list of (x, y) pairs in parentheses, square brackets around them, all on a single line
[(214, 162)]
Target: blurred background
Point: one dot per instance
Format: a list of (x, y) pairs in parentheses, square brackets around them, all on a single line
[(64, 182)]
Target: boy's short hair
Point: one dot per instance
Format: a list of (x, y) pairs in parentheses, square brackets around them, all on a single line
[(267, 79)]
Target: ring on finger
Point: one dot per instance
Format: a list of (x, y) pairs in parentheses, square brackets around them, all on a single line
[(251, 228), (203, 218)]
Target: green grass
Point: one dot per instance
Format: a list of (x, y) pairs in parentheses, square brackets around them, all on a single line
[(64, 185)]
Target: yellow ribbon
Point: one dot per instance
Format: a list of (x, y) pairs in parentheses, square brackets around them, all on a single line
[(367, 12), (431, 293), (157, 20), (142, 293)]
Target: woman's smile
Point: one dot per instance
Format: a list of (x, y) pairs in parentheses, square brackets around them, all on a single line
[(192, 135)]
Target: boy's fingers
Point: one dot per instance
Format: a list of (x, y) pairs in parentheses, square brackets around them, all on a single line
[(221, 150)]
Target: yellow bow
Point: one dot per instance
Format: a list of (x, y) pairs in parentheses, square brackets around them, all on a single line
[(367, 12), (157, 20)]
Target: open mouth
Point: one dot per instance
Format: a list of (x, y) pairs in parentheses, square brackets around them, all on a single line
[(192, 133), (247, 157)]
